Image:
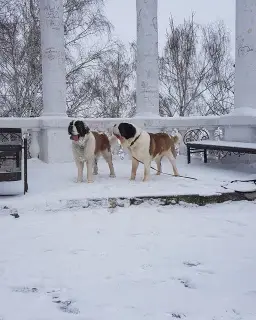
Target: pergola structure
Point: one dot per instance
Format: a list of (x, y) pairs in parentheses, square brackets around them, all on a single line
[(53, 58), (240, 125)]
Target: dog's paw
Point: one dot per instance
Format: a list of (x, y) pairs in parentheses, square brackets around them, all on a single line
[(112, 175), (89, 181), (79, 181), (145, 179), (132, 178)]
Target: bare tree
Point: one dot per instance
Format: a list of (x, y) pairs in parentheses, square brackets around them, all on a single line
[(20, 57), (20, 66), (84, 23), (188, 68), (178, 68), (219, 98), (115, 84)]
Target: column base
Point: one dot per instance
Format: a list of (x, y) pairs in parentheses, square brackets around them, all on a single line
[(243, 112), (240, 128), (53, 114), (54, 141), (147, 115)]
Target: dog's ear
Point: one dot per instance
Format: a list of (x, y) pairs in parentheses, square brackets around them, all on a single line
[(81, 128), (127, 130), (70, 128)]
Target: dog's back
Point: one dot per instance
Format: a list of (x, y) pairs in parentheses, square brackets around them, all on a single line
[(160, 143), (101, 142)]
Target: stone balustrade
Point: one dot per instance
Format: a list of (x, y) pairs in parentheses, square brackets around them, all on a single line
[(49, 140)]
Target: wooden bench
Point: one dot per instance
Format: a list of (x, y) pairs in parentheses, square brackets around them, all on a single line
[(229, 146), (11, 145), (197, 141)]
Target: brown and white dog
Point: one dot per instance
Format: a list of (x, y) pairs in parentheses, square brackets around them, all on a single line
[(146, 147), (88, 146)]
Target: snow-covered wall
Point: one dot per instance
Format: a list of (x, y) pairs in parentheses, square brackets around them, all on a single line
[(58, 146)]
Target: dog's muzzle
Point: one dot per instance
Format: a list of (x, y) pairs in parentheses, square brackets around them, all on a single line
[(119, 137), (74, 137), (116, 133)]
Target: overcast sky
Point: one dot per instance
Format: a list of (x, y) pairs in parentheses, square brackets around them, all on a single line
[(122, 14)]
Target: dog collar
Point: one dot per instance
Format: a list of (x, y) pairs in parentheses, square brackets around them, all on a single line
[(135, 140)]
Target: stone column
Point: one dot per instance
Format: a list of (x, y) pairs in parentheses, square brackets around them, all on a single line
[(53, 57), (53, 137), (147, 90), (245, 67), (240, 124)]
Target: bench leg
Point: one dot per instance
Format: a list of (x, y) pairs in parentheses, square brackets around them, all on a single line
[(188, 155), (205, 155), (25, 166), (17, 159)]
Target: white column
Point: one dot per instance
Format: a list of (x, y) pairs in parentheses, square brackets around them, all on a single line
[(245, 59), (147, 90), (53, 57), (240, 124)]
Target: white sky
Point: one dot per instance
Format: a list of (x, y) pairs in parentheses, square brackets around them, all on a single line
[(122, 14)]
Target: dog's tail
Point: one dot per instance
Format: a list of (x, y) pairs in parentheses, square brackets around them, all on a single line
[(113, 140), (177, 138), (178, 143)]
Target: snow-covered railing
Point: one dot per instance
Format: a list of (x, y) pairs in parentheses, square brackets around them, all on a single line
[(31, 126), (50, 142)]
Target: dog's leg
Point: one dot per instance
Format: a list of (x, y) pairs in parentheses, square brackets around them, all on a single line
[(135, 164), (159, 165), (107, 155), (89, 164), (147, 164), (95, 166), (80, 169), (173, 163)]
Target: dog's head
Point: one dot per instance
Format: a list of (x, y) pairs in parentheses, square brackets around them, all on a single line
[(124, 130), (77, 129)]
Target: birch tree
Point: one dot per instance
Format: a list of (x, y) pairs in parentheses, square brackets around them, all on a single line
[(87, 38), (195, 72)]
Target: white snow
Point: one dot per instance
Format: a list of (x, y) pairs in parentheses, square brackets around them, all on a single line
[(51, 183), (61, 261), (145, 262)]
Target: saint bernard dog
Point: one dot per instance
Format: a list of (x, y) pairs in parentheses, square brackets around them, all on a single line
[(145, 147), (88, 146)]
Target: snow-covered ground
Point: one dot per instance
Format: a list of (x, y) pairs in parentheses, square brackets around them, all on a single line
[(142, 262), (52, 184), (59, 261)]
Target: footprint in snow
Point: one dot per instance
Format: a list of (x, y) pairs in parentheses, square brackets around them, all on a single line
[(178, 315), (66, 306), (191, 264), (187, 283), (25, 290)]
